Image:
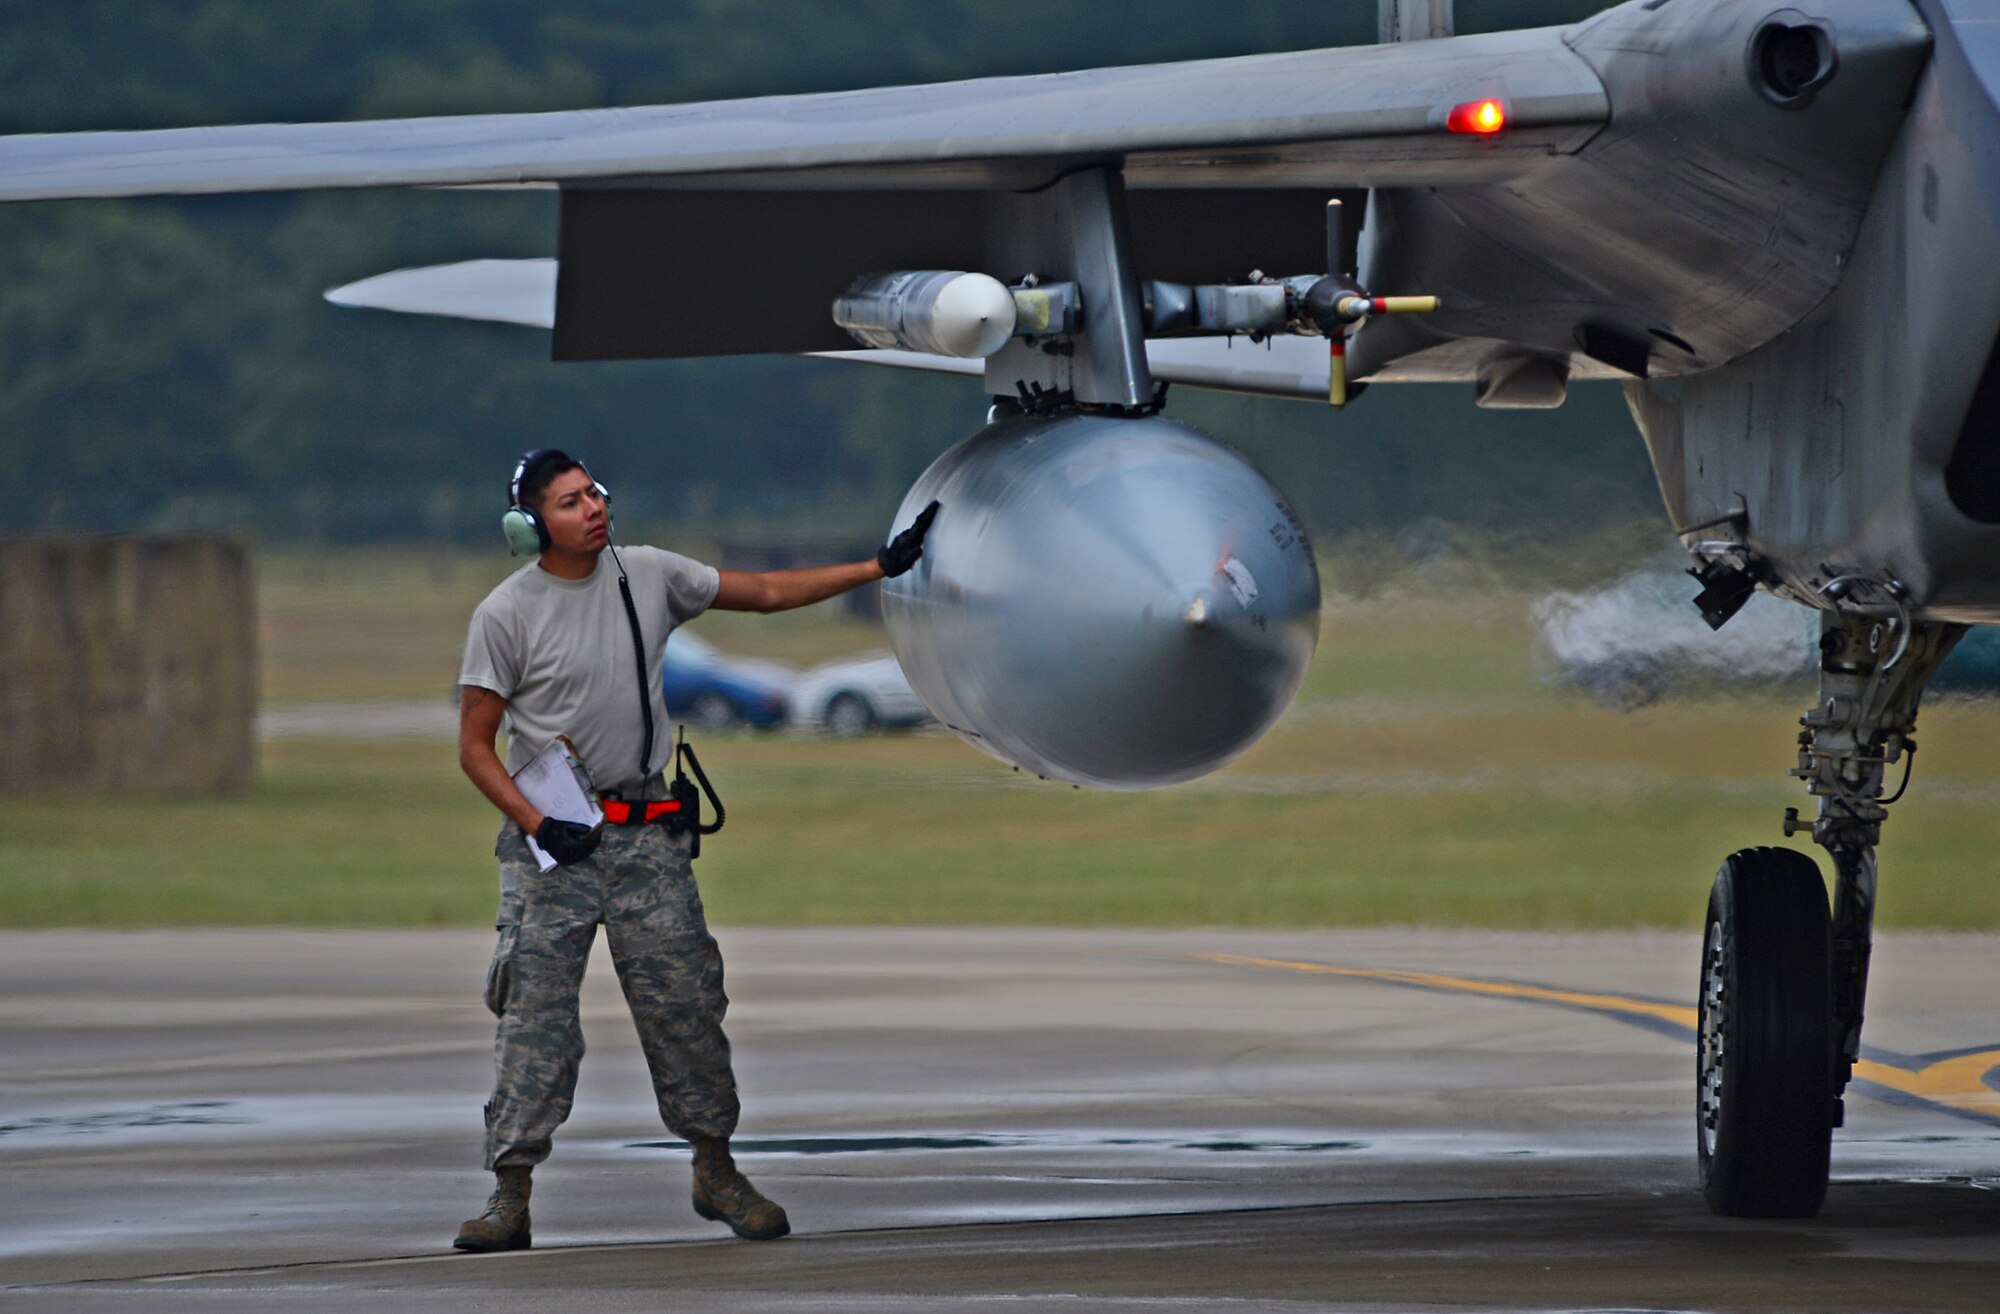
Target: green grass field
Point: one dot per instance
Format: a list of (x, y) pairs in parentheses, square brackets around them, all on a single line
[(1425, 776)]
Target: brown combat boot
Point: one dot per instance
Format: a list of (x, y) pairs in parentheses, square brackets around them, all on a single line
[(504, 1225), (725, 1195)]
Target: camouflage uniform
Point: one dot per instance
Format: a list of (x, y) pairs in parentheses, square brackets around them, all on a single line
[(640, 885)]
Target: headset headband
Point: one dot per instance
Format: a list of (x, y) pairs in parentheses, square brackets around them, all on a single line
[(524, 467), (532, 461)]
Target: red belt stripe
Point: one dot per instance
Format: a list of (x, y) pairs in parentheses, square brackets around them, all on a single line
[(620, 813)]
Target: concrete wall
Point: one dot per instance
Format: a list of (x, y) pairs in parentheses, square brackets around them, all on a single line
[(127, 665)]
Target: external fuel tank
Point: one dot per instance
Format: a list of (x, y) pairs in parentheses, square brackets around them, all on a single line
[(1109, 601)]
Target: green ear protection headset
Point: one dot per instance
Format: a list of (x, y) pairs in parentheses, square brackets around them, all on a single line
[(526, 534)]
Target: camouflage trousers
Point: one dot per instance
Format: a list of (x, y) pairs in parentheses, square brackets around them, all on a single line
[(640, 886)]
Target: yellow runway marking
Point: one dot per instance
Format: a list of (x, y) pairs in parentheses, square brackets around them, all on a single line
[(1957, 1083)]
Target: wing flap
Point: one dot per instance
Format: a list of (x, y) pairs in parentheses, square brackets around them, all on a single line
[(1363, 116)]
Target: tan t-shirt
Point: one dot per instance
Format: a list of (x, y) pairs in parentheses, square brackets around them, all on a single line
[(560, 652)]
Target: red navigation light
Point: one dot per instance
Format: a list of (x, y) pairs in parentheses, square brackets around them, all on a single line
[(1477, 116)]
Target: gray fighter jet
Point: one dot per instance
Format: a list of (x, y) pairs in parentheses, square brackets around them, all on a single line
[(1779, 227)]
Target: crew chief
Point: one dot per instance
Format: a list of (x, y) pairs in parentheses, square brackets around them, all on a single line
[(552, 650)]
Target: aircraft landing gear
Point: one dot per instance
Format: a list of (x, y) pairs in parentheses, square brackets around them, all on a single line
[(1782, 982)]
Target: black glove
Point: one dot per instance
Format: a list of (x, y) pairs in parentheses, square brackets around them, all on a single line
[(567, 841), (906, 547)]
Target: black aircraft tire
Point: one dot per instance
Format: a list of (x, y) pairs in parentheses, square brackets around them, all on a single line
[(1764, 1111)]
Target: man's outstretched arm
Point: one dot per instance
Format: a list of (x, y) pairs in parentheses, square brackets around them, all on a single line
[(782, 590)]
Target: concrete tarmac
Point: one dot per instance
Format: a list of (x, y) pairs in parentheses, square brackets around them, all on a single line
[(1043, 1120)]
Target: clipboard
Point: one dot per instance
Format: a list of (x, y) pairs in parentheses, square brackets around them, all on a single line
[(556, 781)]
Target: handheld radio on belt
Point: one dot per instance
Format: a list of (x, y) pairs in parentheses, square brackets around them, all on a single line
[(680, 814)]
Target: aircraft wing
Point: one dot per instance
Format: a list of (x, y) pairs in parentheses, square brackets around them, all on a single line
[(1349, 117), (1654, 205)]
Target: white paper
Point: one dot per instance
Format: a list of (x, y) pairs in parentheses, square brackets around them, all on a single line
[(551, 783)]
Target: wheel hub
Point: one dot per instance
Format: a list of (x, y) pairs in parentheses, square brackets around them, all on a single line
[(1714, 1036)]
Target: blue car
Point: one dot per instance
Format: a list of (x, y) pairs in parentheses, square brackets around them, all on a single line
[(711, 689)]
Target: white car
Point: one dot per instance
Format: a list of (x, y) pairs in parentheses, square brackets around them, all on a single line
[(856, 695)]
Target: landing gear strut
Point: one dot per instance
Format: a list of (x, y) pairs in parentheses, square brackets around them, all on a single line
[(1783, 983)]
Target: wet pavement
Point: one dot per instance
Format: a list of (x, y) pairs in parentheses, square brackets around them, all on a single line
[(1056, 1120)]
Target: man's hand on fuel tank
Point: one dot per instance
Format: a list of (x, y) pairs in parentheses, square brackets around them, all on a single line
[(904, 549), (567, 841)]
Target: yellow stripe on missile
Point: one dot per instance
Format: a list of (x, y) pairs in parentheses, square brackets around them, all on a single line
[(1356, 305), (1032, 311)]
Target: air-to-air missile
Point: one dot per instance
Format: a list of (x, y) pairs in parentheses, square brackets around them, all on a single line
[(941, 311), (1110, 601)]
